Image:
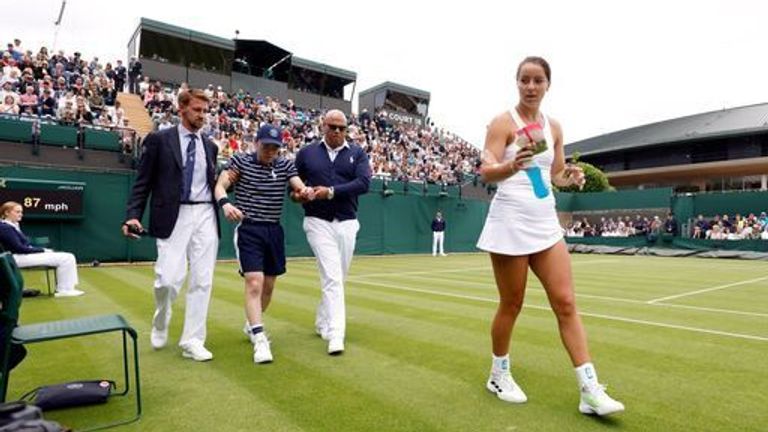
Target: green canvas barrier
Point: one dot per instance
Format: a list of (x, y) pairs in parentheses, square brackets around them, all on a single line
[(625, 199), (15, 130), (389, 224), (53, 134), (730, 203), (96, 139), (399, 223)]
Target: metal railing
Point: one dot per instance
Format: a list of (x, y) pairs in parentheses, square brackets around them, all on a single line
[(128, 138)]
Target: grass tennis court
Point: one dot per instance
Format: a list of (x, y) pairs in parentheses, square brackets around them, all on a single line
[(682, 342)]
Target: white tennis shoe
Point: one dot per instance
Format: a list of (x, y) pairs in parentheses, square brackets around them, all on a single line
[(505, 388), (596, 401), (261, 351)]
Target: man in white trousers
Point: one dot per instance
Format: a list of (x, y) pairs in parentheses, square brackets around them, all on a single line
[(178, 170), (339, 172), (438, 234)]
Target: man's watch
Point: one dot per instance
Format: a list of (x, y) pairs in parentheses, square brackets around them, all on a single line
[(330, 193)]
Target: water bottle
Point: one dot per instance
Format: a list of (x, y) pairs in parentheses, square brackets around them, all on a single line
[(537, 181), (533, 135)]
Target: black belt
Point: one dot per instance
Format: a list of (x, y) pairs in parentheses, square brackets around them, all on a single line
[(249, 221), (195, 202)]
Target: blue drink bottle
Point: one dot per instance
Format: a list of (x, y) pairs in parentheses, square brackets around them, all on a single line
[(537, 181), (533, 172)]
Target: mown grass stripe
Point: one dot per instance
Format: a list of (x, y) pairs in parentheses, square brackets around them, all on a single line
[(588, 314), (419, 362)]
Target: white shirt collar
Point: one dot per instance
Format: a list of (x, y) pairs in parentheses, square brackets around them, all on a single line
[(337, 149), (13, 224), (184, 132)]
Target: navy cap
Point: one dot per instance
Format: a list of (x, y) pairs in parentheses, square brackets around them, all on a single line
[(269, 134)]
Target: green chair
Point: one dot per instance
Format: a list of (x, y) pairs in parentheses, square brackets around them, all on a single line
[(45, 242), (11, 286), (42, 242)]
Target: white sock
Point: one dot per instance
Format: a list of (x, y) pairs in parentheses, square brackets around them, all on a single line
[(500, 365), (256, 328), (587, 376)]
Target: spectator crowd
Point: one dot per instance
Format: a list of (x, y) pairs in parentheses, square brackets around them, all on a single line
[(58, 86), (70, 90), (61, 88), (396, 151), (623, 226), (725, 227), (719, 227)]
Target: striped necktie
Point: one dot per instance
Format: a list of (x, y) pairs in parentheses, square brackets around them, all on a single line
[(189, 168)]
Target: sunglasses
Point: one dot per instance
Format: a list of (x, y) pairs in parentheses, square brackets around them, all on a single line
[(339, 128)]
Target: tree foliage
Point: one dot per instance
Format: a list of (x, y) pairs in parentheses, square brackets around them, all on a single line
[(596, 180)]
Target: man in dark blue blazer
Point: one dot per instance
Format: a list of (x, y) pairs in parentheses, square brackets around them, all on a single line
[(339, 172), (177, 173), (438, 234)]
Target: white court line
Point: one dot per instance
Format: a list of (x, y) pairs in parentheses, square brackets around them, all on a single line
[(719, 287), (706, 309), (537, 289), (395, 273), (540, 290), (589, 314)]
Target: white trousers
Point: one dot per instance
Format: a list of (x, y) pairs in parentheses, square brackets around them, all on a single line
[(65, 263), (194, 241), (333, 244), (437, 242)]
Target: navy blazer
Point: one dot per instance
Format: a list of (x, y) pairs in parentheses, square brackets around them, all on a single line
[(15, 241), (438, 225), (349, 174), (160, 174)]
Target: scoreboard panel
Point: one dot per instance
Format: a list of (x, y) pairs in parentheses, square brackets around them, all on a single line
[(44, 199)]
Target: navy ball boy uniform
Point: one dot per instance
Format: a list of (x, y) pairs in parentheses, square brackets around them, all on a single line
[(260, 195)]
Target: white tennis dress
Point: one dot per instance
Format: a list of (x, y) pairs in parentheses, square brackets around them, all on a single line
[(519, 223)]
